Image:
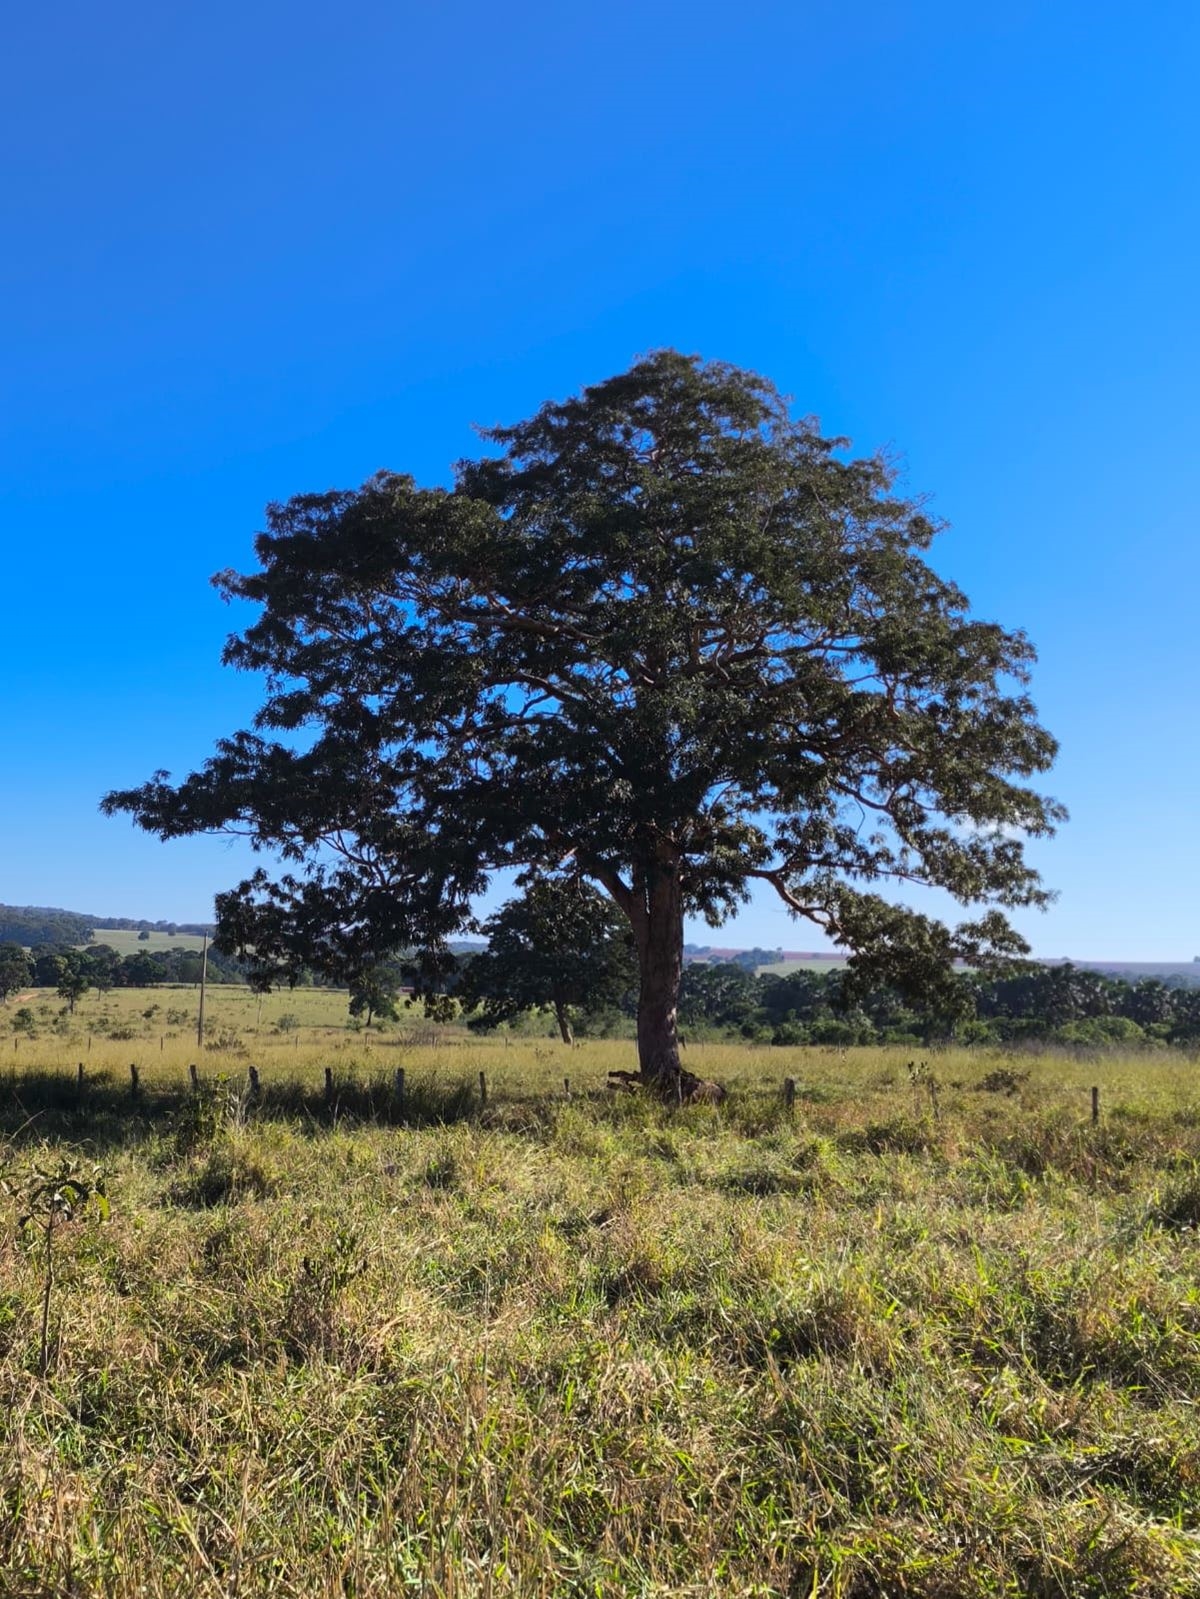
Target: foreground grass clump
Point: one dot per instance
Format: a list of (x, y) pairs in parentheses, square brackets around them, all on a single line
[(585, 1346)]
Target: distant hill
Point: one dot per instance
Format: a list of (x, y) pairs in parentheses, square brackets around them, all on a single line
[(40, 924), (781, 962), (1136, 971), (44, 924)]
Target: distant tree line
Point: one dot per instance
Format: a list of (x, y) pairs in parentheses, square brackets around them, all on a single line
[(1064, 1004), (71, 971), (558, 950), (33, 924)]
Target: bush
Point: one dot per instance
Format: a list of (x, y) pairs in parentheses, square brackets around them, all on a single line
[(1003, 1080), (228, 1174), (788, 1033), (1100, 1032)]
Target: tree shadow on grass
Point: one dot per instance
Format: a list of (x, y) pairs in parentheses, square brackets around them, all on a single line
[(104, 1113)]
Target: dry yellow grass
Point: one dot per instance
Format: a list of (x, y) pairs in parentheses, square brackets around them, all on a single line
[(587, 1346)]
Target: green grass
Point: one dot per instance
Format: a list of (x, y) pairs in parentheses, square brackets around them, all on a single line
[(584, 1346), (125, 940), (786, 968)]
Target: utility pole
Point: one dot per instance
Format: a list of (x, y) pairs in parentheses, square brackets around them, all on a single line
[(203, 986)]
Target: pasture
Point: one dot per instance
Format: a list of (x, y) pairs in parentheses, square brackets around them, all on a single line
[(126, 940), (913, 1337)]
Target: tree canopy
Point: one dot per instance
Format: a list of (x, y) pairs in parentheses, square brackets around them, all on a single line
[(665, 637), (16, 971), (560, 944)]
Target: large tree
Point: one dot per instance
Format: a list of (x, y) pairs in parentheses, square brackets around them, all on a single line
[(666, 637)]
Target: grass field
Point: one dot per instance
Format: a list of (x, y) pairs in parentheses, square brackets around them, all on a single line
[(786, 968), (125, 940), (577, 1345)]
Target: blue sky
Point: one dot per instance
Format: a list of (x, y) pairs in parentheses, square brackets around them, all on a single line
[(258, 249)]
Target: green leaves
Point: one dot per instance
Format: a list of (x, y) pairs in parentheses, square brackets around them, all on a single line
[(560, 944), (49, 1197), (62, 1193), (666, 627)]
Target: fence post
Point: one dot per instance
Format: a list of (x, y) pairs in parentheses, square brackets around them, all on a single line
[(482, 1089), (329, 1085), (134, 1080), (789, 1095), (195, 1077), (1095, 1106), (79, 1076)]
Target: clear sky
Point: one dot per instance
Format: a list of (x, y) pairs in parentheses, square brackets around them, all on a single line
[(256, 249)]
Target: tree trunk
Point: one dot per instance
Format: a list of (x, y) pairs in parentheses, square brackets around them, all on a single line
[(564, 1025), (658, 933)]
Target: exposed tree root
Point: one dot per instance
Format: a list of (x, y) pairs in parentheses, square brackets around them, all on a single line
[(675, 1088)]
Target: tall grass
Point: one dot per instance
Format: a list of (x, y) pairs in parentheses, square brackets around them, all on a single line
[(582, 1345)]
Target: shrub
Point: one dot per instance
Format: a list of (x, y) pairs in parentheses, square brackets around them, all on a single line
[(1003, 1080)]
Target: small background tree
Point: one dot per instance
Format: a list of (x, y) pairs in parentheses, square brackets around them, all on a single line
[(16, 971), (560, 945), (73, 980), (374, 993)]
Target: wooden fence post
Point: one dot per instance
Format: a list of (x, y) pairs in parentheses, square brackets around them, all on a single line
[(482, 1089), (1095, 1106), (195, 1077), (789, 1095), (134, 1080), (329, 1085)]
